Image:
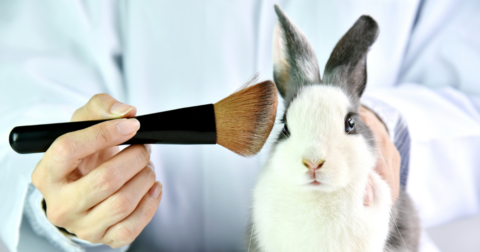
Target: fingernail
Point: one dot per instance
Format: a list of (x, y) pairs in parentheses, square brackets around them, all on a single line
[(127, 127), (155, 190), (120, 109), (149, 148)]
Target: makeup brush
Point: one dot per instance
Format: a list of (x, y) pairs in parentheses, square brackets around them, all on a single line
[(240, 122)]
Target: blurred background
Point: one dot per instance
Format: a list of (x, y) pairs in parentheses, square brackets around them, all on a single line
[(161, 55)]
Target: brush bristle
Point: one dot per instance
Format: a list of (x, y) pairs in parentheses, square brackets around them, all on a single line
[(245, 119)]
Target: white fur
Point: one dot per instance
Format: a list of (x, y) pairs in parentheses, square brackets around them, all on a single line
[(289, 214)]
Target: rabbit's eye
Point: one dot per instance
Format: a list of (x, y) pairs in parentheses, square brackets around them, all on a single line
[(349, 125)]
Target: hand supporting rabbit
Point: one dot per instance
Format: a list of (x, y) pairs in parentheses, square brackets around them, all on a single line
[(388, 158)]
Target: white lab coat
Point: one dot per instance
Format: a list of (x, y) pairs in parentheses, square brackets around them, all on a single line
[(161, 55)]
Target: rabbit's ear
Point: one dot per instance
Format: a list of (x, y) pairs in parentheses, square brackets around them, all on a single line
[(347, 65), (295, 63)]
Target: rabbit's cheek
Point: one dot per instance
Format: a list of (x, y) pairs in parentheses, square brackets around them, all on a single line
[(285, 165), (334, 171)]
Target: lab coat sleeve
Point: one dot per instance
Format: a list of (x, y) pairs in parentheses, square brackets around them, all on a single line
[(53, 57)]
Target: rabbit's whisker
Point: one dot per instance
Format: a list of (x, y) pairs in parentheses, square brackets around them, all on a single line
[(401, 237)]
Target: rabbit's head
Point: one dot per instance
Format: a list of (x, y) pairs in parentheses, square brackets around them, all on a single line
[(324, 144)]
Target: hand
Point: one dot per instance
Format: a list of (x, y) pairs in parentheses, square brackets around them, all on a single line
[(93, 190), (388, 162)]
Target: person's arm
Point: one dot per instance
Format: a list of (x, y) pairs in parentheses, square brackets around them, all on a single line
[(54, 57), (438, 92)]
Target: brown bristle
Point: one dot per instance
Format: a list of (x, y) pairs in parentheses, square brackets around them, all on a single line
[(245, 118)]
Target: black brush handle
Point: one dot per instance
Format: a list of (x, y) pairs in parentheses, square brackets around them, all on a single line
[(193, 125)]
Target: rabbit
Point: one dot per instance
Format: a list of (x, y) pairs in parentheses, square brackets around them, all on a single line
[(310, 194)]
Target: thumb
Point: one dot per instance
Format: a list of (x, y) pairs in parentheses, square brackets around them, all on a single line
[(103, 106)]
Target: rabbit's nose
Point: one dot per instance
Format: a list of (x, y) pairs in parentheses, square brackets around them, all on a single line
[(313, 165)]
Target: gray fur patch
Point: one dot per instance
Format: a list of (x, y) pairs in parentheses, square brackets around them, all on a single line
[(404, 226), (364, 130), (347, 65), (301, 66)]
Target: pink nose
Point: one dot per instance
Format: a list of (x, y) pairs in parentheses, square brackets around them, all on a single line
[(313, 165)]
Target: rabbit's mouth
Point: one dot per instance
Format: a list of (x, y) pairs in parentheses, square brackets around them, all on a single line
[(317, 182), (314, 178), (314, 181), (314, 185)]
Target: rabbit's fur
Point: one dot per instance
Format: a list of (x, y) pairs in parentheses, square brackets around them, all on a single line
[(290, 211)]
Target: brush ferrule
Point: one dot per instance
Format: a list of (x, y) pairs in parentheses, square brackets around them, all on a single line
[(193, 125)]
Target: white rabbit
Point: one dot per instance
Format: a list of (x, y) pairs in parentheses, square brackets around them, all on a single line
[(309, 197)]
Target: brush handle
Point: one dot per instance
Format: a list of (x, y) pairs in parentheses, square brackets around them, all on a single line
[(193, 125)]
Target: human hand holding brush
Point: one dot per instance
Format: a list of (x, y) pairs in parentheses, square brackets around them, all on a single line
[(90, 188), (106, 196)]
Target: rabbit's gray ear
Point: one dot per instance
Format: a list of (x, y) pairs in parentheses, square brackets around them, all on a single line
[(347, 65), (295, 63)]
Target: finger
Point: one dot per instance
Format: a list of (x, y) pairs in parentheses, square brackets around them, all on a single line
[(127, 230), (381, 166), (110, 176), (103, 106), (368, 196), (94, 160), (66, 153), (396, 162), (388, 168), (118, 206)]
